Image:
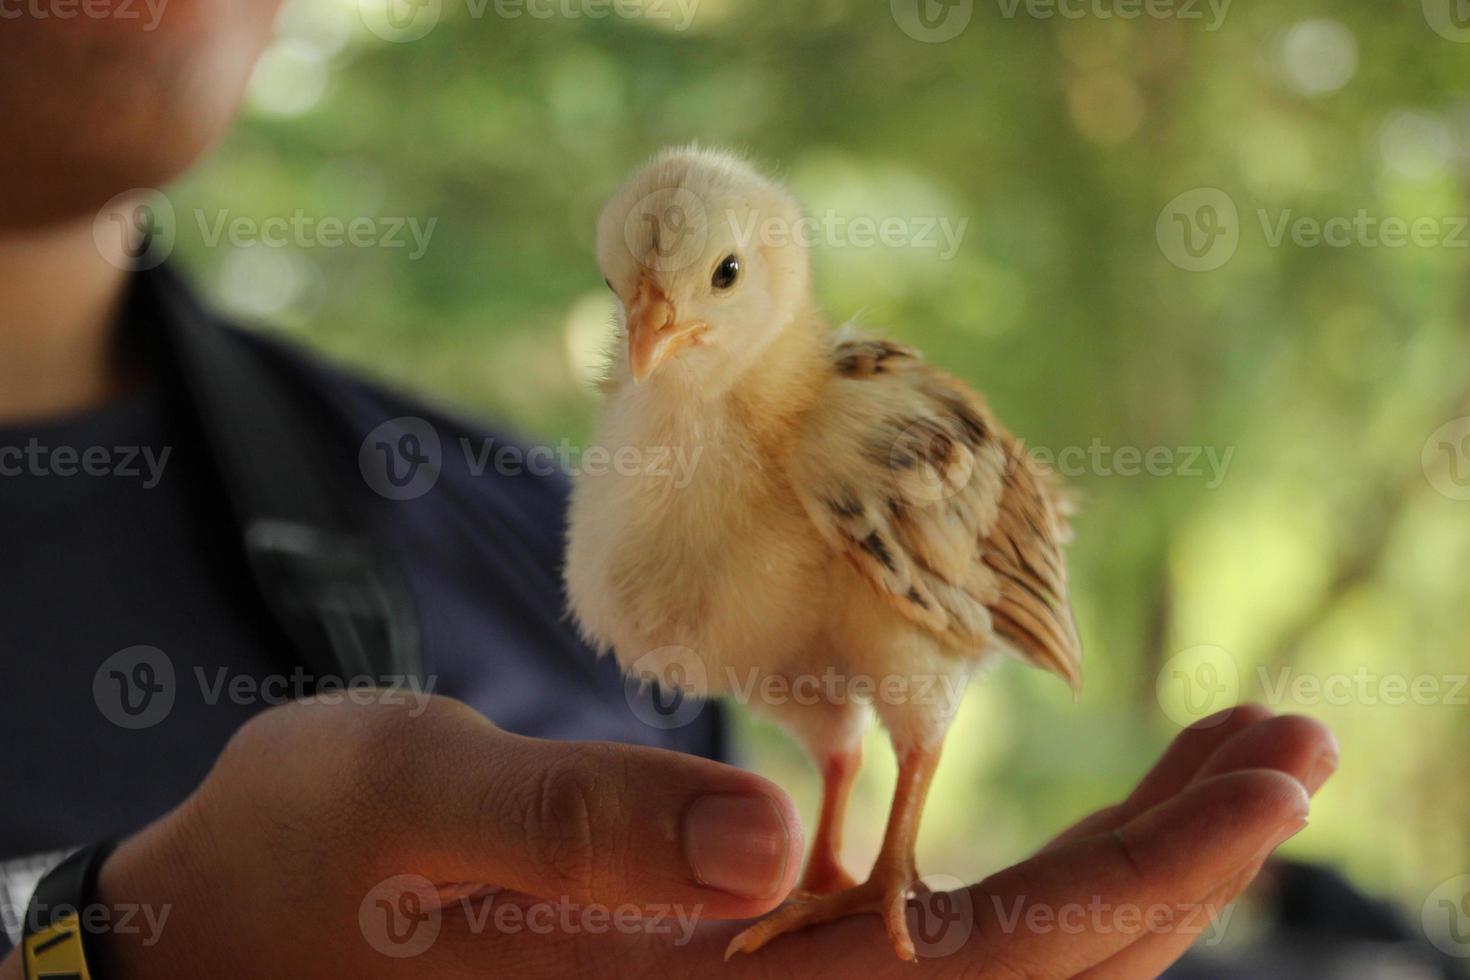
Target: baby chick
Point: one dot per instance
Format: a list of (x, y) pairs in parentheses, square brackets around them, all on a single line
[(853, 514)]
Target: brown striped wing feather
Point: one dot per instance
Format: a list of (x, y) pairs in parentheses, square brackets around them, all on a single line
[(905, 471)]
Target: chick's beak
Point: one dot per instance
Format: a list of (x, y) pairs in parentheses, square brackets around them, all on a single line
[(654, 331)]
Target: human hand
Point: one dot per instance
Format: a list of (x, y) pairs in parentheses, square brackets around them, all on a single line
[(1189, 838), (355, 841), (1123, 892), (327, 833)]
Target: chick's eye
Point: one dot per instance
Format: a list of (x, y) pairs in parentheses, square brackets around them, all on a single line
[(609, 285), (726, 273)]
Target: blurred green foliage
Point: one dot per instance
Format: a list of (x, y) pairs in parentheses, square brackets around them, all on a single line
[(1333, 547)]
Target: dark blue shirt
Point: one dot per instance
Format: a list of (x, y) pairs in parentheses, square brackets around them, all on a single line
[(118, 554)]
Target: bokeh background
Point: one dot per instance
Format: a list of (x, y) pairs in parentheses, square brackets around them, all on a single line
[(1119, 287)]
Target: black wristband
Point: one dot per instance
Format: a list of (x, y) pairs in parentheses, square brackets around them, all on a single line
[(55, 942)]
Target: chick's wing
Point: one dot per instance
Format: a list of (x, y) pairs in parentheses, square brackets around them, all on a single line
[(906, 473)]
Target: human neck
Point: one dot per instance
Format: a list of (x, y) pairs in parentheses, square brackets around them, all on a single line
[(60, 298)]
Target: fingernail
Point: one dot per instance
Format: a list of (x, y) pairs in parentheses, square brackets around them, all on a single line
[(1321, 771), (737, 844)]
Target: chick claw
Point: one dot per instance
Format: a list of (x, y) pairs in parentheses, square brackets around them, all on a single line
[(888, 897)]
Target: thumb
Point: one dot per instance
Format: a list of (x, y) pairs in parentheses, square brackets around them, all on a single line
[(604, 823)]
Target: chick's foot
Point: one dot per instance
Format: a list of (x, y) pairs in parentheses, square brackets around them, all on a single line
[(884, 894)]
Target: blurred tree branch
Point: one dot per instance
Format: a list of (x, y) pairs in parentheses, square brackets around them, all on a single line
[(1358, 564)]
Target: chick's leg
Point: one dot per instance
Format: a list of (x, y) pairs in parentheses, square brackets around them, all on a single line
[(887, 888), (894, 872), (824, 871)]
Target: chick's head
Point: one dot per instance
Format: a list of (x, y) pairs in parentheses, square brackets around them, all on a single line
[(703, 255)]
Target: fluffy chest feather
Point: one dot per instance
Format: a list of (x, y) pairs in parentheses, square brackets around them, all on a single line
[(713, 553)]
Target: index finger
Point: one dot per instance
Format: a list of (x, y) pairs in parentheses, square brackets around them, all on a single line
[(1075, 905)]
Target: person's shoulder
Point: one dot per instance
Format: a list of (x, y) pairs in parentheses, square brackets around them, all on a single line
[(367, 422)]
